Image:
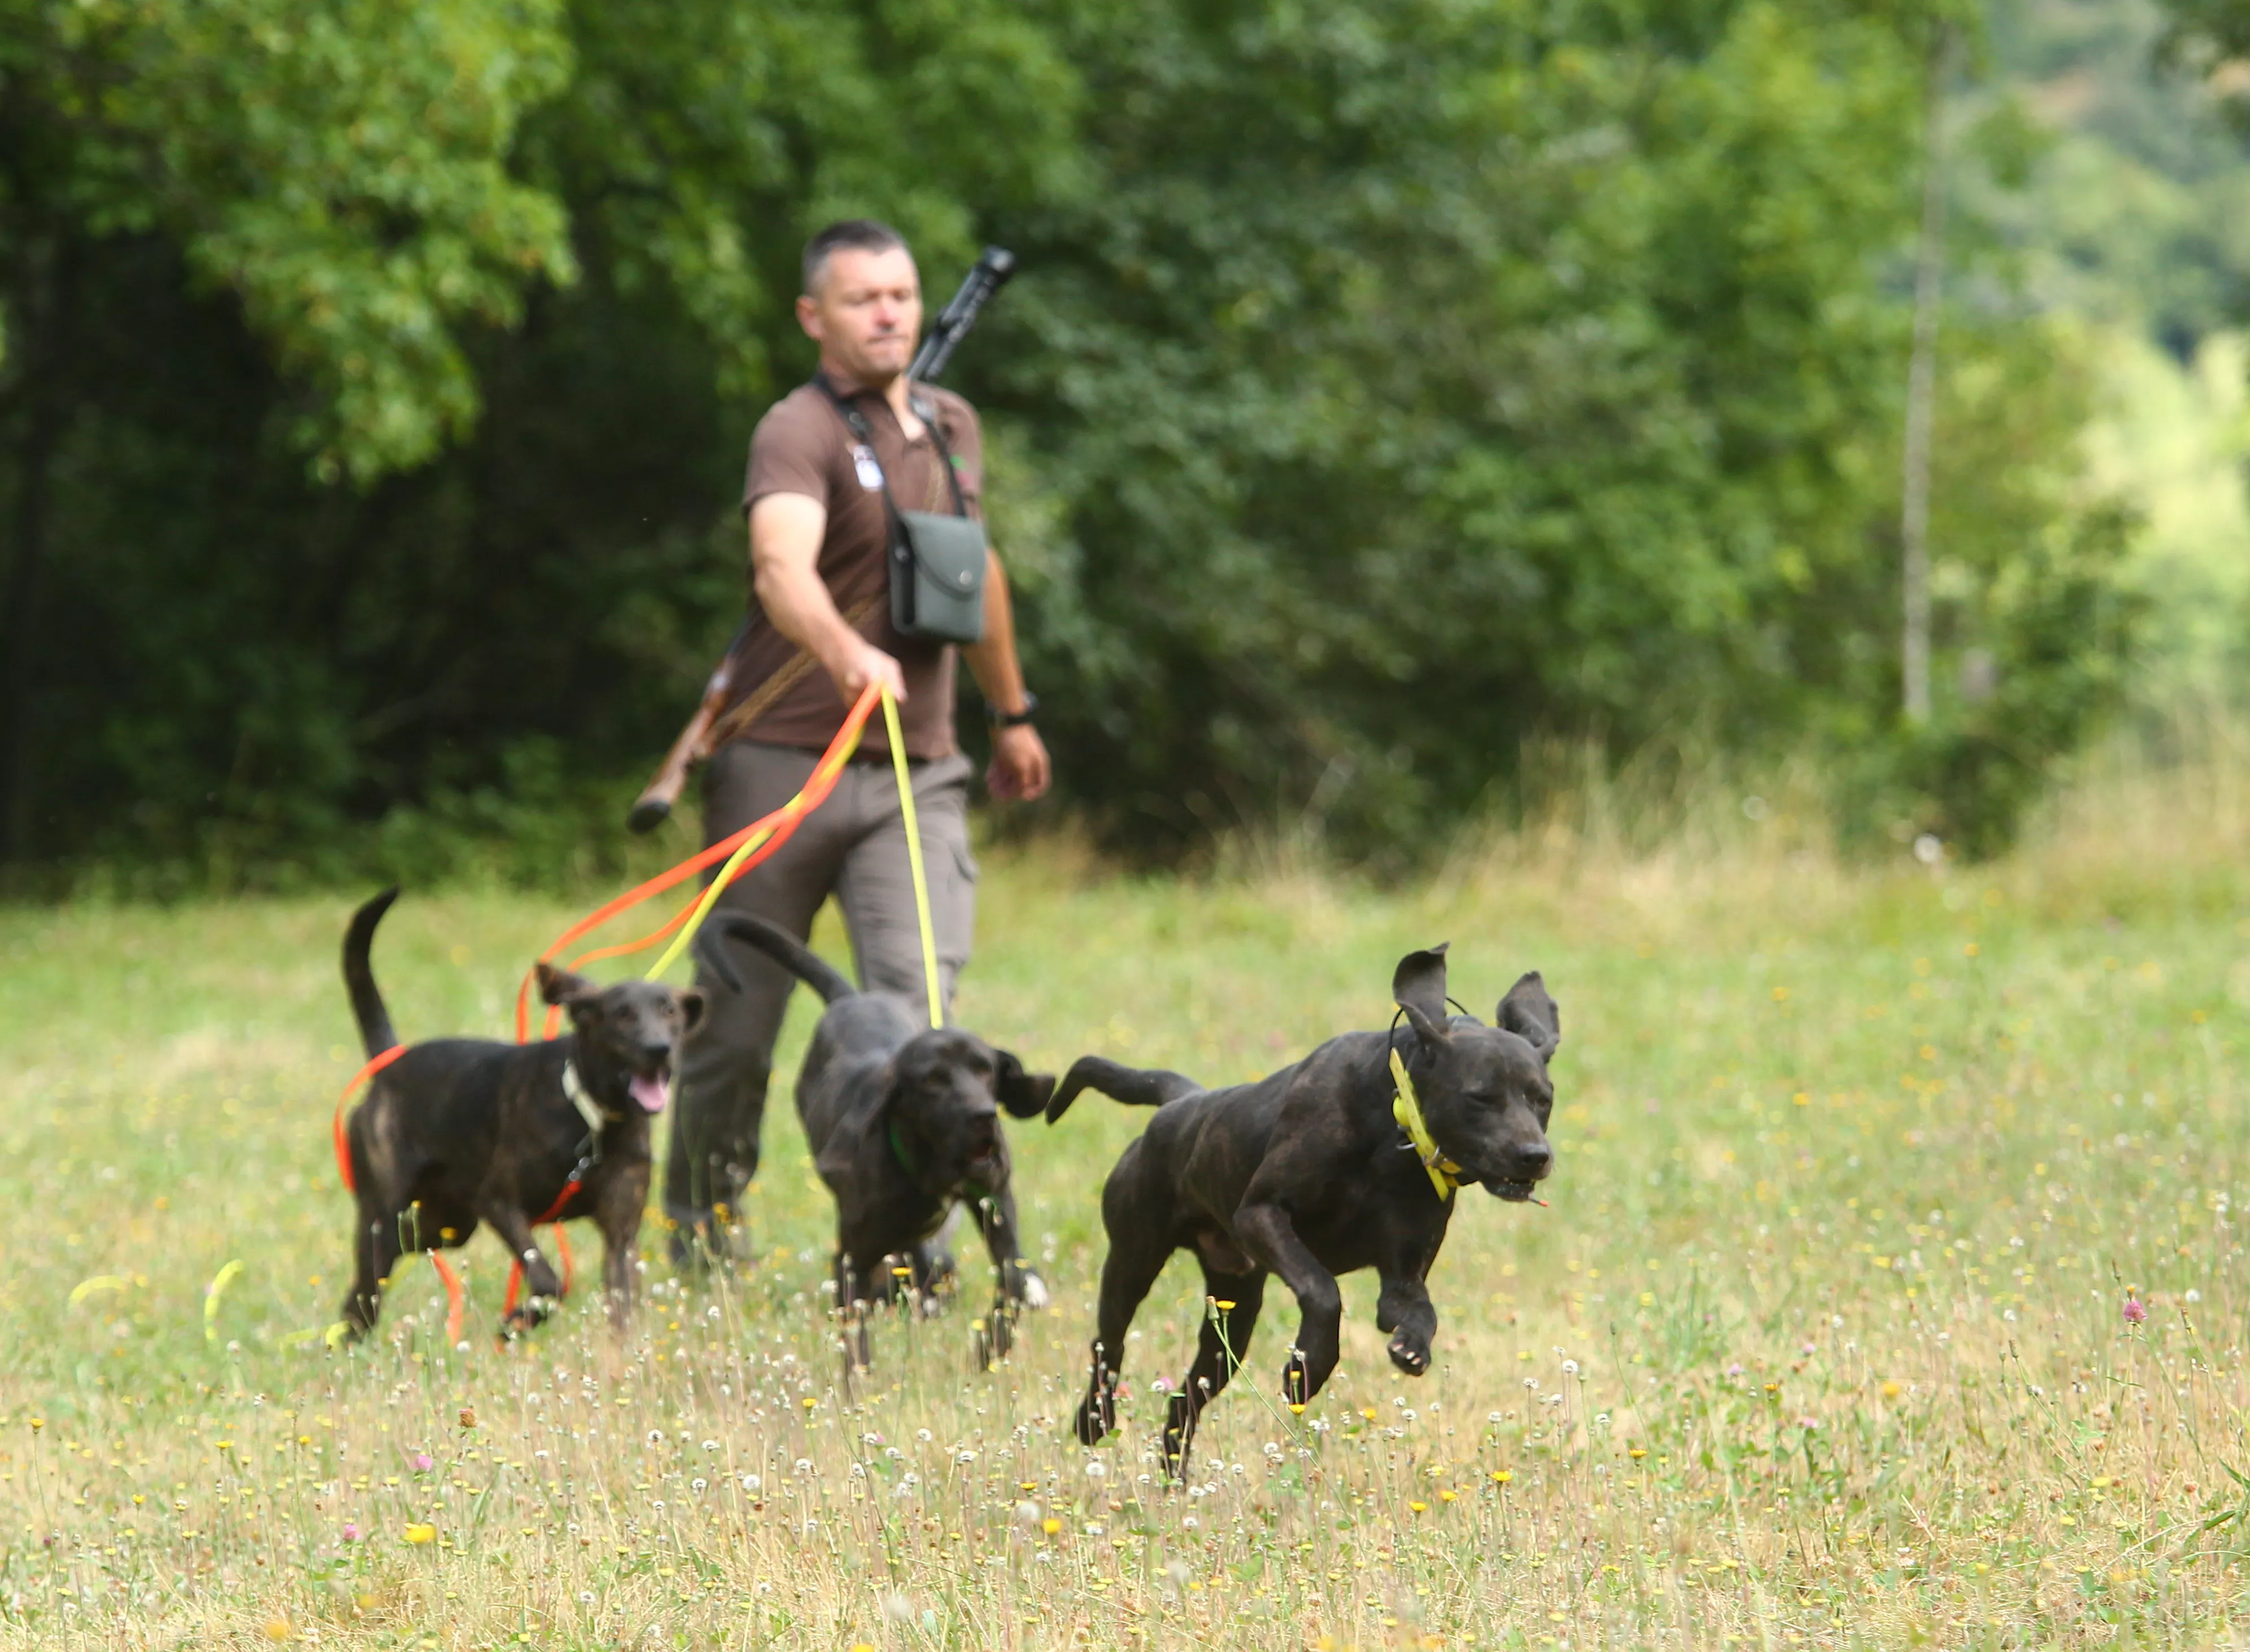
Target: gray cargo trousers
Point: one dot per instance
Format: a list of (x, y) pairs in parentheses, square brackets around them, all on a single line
[(853, 846)]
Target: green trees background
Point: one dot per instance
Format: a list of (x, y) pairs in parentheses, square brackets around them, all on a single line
[(1386, 385)]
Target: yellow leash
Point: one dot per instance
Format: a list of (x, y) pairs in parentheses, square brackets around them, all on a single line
[(913, 858), (823, 775)]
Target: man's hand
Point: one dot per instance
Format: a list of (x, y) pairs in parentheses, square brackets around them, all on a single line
[(1019, 769), (854, 662)]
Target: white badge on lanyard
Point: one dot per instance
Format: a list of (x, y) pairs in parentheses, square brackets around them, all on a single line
[(863, 460)]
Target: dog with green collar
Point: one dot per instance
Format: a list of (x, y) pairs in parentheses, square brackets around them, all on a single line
[(903, 1120), (1349, 1159)]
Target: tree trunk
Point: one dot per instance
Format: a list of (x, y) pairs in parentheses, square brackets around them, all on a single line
[(1922, 385), (47, 311)]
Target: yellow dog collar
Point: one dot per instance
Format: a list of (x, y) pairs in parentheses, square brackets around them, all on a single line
[(1444, 1173)]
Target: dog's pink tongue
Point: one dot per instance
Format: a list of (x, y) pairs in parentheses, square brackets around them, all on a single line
[(652, 1094)]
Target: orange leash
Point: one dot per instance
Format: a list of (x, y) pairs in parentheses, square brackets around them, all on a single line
[(781, 823), (452, 1295), (337, 1128)]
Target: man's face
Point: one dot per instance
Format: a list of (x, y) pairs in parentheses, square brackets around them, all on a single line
[(867, 313)]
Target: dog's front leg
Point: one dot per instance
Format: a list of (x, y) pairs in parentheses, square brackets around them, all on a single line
[(1270, 1237), (852, 1305), (542, 1287), (623, 1199), (1404, 1307), (996, 1216)]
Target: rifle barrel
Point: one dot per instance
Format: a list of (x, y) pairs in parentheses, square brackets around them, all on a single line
[(986, 277)]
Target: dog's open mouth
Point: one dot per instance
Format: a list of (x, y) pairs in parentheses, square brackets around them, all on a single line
[(651, 1089), (1516, 1193)]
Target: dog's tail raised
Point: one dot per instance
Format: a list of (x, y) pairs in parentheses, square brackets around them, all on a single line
[(789, 952), (1135, 1086), (359, 976)]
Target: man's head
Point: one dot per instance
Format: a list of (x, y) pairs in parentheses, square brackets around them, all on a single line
[(862, 301)]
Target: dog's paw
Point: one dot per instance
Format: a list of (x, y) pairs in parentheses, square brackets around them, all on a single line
[(1095, 1418), (1296, 1386), (1410, 1354), (1033, 1293), (1179, 1428)]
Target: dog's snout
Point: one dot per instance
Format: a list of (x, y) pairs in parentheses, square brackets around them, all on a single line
[(654, 1052), (1533, 1160)]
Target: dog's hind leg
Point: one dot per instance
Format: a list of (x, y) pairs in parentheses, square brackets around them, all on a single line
[(1231, 1314), (374, 1253), (1270, 1238)]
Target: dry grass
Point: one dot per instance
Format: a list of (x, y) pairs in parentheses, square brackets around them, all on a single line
[(1822, 1343)]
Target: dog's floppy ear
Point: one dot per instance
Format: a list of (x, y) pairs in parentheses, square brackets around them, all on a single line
[(1024, 1094), (1419, 988), (1531, 1015), (692, 1005), (561, 987)]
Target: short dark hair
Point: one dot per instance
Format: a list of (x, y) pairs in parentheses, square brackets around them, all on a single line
[(858, 235)]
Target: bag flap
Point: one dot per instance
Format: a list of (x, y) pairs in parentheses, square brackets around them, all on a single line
[(948, 551)]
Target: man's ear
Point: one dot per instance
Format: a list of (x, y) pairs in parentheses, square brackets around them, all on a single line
[(1024, 1094), (1419, 986), (1531, 1016), (693, 1006), (561, 987)]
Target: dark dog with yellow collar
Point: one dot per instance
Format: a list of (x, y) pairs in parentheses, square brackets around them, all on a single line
[(462, 1130), (1346, 1160), (903, 1120)]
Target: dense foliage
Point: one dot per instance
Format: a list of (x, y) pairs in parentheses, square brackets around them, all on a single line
[(1387, 384)]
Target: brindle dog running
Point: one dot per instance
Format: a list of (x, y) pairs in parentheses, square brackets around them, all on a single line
[(462, 1130), (1306, 1173)]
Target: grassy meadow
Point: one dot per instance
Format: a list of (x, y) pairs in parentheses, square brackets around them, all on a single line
[(1890, 1292)]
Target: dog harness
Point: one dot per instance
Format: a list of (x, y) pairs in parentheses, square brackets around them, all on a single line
[(1407, 1110), (589, 1156), (590, 1153), (587, 1109)]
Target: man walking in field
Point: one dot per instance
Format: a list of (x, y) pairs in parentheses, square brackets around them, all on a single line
[(821, 631)]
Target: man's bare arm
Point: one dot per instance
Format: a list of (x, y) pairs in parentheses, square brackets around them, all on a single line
[(785, 535), (1020, 768)]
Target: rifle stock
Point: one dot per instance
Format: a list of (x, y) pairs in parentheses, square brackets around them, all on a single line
[(653, 807)]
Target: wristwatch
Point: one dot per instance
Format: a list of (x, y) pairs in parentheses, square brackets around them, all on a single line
[(999, 718)]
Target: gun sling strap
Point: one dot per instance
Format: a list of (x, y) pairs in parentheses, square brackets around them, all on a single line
[(738, 721)]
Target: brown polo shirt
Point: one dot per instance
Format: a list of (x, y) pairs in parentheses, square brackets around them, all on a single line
[(804, 447)]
